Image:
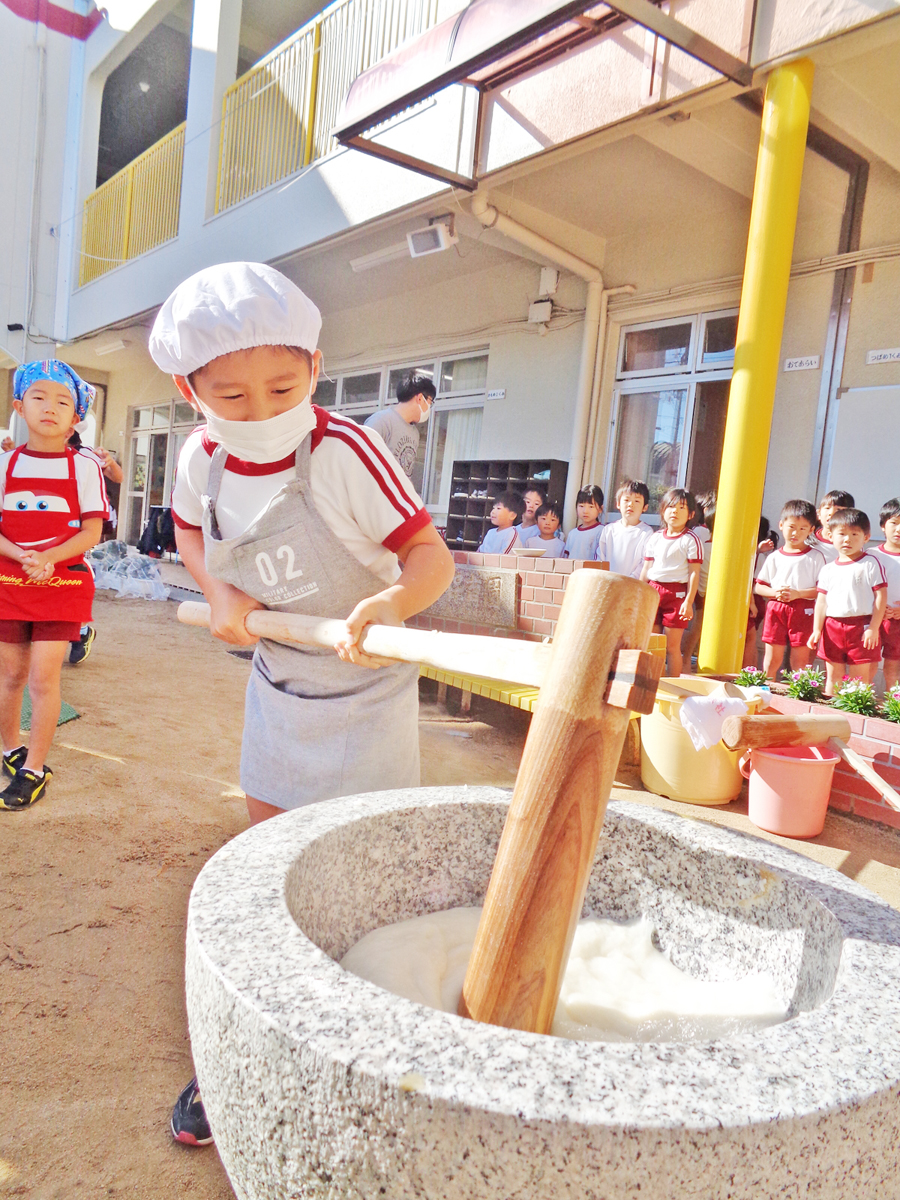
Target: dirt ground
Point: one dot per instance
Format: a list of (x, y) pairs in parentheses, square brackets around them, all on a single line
[(94, 884)]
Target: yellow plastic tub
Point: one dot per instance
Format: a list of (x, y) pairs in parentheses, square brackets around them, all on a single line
[(670, 766)]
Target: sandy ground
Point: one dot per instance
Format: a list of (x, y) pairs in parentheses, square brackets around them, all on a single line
[(94, 883)]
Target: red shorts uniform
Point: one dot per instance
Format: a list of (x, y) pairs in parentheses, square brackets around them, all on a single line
[(890, 638), (39, 631), (842, 641), (788, 624), (671, 598)]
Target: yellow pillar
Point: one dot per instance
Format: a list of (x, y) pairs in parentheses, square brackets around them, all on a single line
[(773, 218)]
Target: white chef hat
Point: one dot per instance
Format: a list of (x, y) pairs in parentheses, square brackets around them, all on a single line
[(228, 307)]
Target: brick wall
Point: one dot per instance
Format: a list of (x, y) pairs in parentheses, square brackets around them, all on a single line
[(539, 592), (873, 739)]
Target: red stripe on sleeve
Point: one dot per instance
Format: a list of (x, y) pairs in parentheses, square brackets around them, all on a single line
[(388, 464), (401, 535), (376, 464), (183, 524)]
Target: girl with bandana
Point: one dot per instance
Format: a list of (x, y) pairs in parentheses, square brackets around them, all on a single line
[(52, 507)]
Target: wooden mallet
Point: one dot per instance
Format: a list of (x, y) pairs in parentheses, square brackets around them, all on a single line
[(766, 731)]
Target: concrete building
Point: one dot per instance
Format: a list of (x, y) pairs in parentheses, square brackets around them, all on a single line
[(573, 156)]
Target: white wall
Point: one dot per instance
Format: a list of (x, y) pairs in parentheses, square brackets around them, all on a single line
[(34, 78)]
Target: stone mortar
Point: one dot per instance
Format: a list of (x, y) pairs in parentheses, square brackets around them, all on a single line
[(319, 1084)]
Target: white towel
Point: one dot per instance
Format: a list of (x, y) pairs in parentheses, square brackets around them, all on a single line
[(704, 716)]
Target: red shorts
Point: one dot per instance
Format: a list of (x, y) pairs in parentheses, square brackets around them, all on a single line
[(842, 641), (790, 623), (671, 598), (39, 631), (890, 638)]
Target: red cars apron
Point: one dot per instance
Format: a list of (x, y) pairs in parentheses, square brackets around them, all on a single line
[(38, 514)]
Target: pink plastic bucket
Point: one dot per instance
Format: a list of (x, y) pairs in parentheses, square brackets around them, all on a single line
[(789, 788)]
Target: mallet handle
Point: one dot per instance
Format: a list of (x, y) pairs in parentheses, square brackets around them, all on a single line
[(540, 875), (868, 773), (508, 659)]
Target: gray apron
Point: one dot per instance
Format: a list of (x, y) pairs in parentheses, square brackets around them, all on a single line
[(314, 727)]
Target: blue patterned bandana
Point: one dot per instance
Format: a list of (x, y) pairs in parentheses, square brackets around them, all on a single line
[(58, 372)]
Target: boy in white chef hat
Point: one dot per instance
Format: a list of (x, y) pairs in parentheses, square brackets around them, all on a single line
[(279, 504)]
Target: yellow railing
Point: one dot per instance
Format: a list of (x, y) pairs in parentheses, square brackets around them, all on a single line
[(278, 117), (135, 210)]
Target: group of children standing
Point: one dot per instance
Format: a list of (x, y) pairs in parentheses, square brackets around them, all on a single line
[(821, 591), (826, 593), (530, 521)]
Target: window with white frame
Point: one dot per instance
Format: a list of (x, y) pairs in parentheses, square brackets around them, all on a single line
[(453, 430), (670, 403), (157, 433)]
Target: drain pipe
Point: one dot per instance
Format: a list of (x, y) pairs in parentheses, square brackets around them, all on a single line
[(492, 219), (587, 466)]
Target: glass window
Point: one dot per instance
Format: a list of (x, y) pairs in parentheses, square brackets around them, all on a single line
[(464, 374), (140, 448), (397, 373), (141, 418), (135, 520), (707, 435), (159, 443), (663, 348), (649, 439), (161, 415), (325, 393), (184, 413), (719, 337), (361, 389), (455, 435)]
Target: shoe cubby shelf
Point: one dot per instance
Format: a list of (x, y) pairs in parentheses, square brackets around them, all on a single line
[(476, 483)]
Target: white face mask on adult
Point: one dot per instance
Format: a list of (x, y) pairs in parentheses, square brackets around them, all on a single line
[(423, 416), (261, 441)]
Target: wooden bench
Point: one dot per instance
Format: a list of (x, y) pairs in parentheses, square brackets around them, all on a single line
[(513, 694)]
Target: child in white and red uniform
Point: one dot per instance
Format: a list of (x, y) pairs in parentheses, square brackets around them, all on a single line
[(850, 605), (888, 554), (581, 542), (280, 504), (621, 543), (829, 504), (672, 558), (53, 507), (788, 578)]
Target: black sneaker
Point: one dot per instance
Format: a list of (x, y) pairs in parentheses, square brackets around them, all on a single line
[(82, 648), (24, 789), (189, 1123), (13, 760)]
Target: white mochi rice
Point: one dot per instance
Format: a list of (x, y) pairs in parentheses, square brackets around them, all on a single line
[(617, 986)]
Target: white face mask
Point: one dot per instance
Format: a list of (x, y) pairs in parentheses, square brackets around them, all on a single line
[(423, 416), (261, 441)]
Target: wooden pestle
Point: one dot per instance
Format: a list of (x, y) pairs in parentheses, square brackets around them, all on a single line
[(759, 731), (540, 875)]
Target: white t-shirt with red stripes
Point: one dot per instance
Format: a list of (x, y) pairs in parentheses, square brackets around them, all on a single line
[(362, 495), (799, 572), (850, 586), (671, 554), (891, 564)]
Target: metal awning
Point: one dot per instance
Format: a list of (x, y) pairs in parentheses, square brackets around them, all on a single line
[(489, 44)]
